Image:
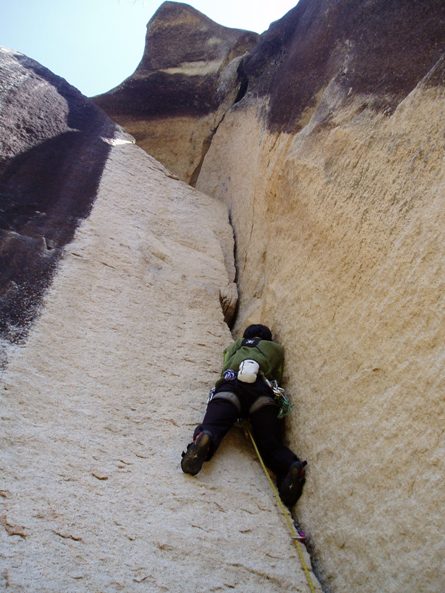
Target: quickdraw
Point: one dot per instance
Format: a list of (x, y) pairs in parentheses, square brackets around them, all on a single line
[(281, 398)]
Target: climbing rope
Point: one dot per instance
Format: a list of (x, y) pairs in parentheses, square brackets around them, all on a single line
[(295, 536)]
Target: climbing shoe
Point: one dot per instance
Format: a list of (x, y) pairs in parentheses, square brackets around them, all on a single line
[(196, 454), (291, 487)]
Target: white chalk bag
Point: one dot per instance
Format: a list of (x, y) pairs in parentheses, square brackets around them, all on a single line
[(248, 371)]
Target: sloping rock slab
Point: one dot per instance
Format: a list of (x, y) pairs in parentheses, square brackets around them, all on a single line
[(99, 404)]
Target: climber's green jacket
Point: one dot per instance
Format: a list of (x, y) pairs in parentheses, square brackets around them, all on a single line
[(269, 355)]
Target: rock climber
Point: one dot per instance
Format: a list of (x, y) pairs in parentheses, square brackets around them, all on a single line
[(252, 365)]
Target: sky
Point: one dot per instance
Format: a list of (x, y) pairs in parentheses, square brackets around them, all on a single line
[(96, 44)]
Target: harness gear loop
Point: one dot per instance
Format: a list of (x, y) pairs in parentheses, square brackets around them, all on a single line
[(295, 537), (280, 397)]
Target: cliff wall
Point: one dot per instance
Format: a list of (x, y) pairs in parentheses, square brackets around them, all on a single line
[(327, 147), (333, 169), (102, 391), (52, 154), (331, 160)]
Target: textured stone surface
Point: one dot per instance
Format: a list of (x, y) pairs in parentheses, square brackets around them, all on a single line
[(99, 401), (376, 48), (98, 405), (187, 79), (340, 247), (51, 158), (332, 165)]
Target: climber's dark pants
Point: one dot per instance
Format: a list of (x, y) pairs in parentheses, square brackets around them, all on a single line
[(221, 414)]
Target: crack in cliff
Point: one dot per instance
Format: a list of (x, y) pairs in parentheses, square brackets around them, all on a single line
[(204, 150), (243, 83), (229, 310)]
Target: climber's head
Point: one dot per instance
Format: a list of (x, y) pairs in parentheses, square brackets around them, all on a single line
[(258, 331)]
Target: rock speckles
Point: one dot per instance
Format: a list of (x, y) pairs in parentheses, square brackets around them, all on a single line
[(103, 397), (337, 202)]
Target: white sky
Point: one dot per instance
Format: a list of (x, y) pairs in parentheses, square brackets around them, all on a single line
[(96, 44)]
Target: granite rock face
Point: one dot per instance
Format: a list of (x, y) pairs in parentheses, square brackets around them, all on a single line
[(374, 49), (332, 166), (52, 152), (329, 153), (102, 396), (187, 79)]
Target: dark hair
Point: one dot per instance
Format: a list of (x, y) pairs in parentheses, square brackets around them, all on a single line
[(258, 331)]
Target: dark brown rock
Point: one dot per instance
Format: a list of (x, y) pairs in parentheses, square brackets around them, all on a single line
[(51, 160), (179, 39), (379, 49), (189, 71)]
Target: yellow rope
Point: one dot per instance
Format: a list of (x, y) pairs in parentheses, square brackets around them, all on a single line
[(286, 514)]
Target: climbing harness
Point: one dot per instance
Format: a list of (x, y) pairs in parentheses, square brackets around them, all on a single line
[(296, 536), (284, 404)]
